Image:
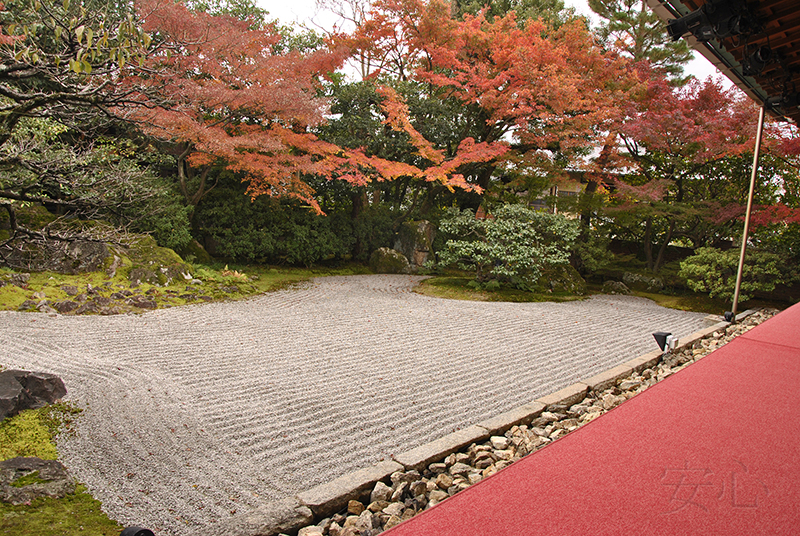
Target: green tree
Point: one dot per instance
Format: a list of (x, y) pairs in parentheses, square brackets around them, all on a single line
[(632, 28), (58, 59)]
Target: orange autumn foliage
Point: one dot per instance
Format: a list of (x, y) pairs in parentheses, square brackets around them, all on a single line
[(215, 85), (539, 88)]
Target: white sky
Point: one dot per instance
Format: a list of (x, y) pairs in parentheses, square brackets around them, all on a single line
[(305, 11)]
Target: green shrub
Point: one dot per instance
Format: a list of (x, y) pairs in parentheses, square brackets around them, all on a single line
[(513, 247), (270, 231), (713, 271)]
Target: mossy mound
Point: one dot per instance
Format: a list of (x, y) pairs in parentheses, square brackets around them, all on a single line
[(147, 262), (562, 278), (194, 252), (389, 261)]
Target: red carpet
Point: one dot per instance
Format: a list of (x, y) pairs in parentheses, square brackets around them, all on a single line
[(713, 449)]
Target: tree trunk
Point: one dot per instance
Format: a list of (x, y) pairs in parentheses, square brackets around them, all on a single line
[(648, 244), (12, 218), (185, 174), (663, 249), (360, 202), (586, 213)]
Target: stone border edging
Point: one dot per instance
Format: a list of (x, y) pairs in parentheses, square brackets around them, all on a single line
[(324, 500)]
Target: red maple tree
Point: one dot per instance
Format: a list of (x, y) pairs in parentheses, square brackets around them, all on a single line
[(544, 90), (221, 93)]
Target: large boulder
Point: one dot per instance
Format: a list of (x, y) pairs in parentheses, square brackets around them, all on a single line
[(63, 257), (615, 287), (415, 242), (21, 390), (647, 283), (24, 479), (562, 278), (389, 261)]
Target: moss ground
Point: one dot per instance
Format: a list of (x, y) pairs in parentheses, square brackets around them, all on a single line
[(76, 514), (457, 288), (217, 282), (31, 433)]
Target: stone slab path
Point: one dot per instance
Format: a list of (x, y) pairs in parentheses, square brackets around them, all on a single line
[(196, 412)]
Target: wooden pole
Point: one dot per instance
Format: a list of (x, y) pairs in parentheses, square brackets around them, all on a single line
[(756, 156)]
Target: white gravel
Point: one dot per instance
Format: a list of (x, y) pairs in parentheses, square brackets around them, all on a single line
[(197, 412)]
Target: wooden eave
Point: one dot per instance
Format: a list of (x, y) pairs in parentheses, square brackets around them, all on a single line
[(780, 22)]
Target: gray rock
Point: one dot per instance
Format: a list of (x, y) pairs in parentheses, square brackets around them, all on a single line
[(610, 401), (484, 462), (415, 242), (103, 301), (568, 424), (437, 496), (438, 467), (418, 488), (12, 396), (409, 476), (310, 531), (461, 457), (45, 478), (545, 418), (629, 385), (381, 492), (365, 522), (65, 306), (397, 494), (90, 307), (145, 304), (18, 280), (377, 506), (394, 509), (392, 521), (474, 478), (45, 307), (27, 305), (615, 287), (499, 442), (21, 390), (460, 469)]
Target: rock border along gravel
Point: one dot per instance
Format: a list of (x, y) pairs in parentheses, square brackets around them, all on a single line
[(374, 499)]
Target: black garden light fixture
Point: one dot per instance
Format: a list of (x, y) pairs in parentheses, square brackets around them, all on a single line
[(666, 341), (136, 531)]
